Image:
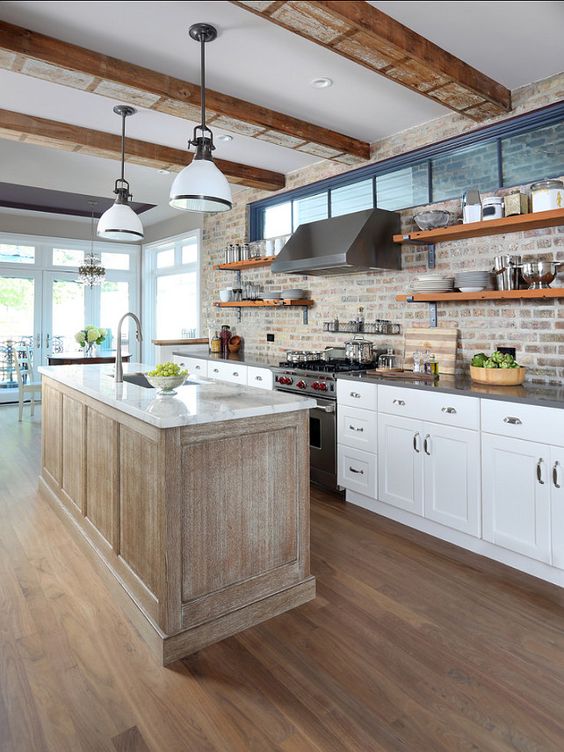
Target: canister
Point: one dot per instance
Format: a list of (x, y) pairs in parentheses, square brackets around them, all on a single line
[(516, 203), (547, 195), (492, 207)]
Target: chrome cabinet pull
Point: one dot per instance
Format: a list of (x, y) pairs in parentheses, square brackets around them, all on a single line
[(427, 445), (399, 402), (258, 378), (234, 373), (555, 474), (196, 368), (513, 421), (539, 471), (415, 440), (360, 430), (47, 341), (356, 395), (449, 410), (358, 472), (216, 370)]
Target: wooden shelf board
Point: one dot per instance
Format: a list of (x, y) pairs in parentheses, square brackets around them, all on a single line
[(454, 297), (247, 264), (264, 304), (519, 223)]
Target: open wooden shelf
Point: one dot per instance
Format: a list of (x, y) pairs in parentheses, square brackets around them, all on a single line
[(264, 303), (518, 223), (247, 264), (454, 297)]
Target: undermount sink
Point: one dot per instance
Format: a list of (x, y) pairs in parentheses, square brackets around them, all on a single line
[(139, 379)]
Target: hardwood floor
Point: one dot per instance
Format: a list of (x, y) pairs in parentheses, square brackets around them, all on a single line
[(411, 645)]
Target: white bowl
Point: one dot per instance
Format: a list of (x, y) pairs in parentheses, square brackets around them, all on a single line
[(166, 384), (226, 296), (471, 289)]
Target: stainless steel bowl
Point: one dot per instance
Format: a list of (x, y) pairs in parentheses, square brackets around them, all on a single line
[(539, 274), (429, 220)]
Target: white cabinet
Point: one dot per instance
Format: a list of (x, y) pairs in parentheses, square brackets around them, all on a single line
[(260, 377), (195, 366), (430, 469), (451, 477), (357, 393), (556, 480), (516, 489), (357, 471), (236, 373), (357, 428)]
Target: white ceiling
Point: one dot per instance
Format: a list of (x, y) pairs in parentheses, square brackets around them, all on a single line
[(515, 42)]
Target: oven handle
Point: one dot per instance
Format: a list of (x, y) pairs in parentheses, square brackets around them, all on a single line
[(326, 409)]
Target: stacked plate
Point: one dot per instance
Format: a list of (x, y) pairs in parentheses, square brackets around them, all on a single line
[(473, 281), (435, 282)]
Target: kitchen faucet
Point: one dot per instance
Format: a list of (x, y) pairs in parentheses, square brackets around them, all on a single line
[(138, 334)]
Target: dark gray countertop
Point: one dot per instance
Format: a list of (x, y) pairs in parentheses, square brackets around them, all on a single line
[(544, 395), (252, 360)]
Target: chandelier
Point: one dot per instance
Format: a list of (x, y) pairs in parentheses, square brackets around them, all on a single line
[(91, 272)]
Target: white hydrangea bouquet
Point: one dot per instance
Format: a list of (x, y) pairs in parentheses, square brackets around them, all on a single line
[(90, 336)]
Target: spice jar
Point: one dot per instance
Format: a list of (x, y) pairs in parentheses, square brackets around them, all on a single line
[(215, 344)]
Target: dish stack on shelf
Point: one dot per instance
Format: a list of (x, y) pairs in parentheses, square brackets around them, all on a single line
[(473, 281), (435, 282)]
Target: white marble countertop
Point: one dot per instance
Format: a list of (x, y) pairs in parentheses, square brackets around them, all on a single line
[(198, 401)]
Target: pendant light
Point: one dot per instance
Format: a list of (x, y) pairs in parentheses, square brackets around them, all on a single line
[(91, 272), (201, 187), (120, 222)]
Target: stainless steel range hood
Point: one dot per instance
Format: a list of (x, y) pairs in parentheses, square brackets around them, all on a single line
[(356, 242)]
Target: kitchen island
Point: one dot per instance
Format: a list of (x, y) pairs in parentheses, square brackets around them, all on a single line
[(195, 507)]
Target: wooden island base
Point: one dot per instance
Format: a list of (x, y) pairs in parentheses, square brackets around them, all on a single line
[(201, 531)]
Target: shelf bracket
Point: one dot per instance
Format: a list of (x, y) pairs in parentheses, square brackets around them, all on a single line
[(433, 322), (239, 314), (431, 256), (306, 315)]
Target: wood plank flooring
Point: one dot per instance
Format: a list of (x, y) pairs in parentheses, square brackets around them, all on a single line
[(411, 645)]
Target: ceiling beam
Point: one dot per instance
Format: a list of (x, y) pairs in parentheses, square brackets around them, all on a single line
[(360, 32), (16, 126), (48, 58)]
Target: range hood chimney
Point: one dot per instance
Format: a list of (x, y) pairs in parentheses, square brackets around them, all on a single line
[(356, 242)]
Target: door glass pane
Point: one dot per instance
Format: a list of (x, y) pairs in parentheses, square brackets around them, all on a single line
[(190, 251), (119, 261), (17, 296), (114, 302), (165, 258), (472, 166), (310, 209), (352, 198), (278, 220), (534, 155), (68, 314), (177, 306), (67, 257), (17, 254), (403, 188)]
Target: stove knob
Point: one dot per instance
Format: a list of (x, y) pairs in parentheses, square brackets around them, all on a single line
[(301, 384), (289, 380), (315, 385), (323, 386)]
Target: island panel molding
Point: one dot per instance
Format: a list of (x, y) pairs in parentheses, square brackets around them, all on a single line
[(205, 527), (68, 64), (51, 133), (364, 34)]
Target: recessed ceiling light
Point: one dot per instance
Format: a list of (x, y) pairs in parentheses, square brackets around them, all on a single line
[(164, 172), (321, 83), (226, 137)]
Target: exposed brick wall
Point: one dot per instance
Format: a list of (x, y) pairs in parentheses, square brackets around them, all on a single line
[(536, 329)]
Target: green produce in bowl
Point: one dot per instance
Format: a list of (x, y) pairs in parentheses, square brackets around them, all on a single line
[(167, 369), (479, 359), (496, 360)]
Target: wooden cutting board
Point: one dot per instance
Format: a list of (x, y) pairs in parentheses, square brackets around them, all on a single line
[(438, 340)]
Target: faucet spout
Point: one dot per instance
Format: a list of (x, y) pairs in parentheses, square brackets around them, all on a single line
[(139, 336)]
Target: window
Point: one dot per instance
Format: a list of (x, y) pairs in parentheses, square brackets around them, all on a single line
[(511, 152), (17, 254), (114, 302), (118, 261), (67, 257), (172, 288)]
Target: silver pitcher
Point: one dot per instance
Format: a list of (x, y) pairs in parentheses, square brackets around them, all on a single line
[(507, 272)]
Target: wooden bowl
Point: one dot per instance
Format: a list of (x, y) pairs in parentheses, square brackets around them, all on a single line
[(498, 376), (234, 344)]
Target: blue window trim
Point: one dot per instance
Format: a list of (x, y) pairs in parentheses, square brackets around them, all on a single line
[(513, 126)]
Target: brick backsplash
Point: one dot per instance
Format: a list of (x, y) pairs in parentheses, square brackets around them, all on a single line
[(536, 328)]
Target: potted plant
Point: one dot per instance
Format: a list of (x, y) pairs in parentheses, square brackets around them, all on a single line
[(88, 337)]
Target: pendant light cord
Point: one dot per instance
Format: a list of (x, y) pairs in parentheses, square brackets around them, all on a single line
[(203, 79), (123, 116)]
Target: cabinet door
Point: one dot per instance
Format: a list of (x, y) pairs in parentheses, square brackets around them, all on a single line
[(262, 378), (400, 462), (195, 366), (451, 472), (556, 480), (516, 495)]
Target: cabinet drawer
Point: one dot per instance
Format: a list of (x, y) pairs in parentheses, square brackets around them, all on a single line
[(195, 366), (357, 470), (438, 407), (233, 372), (543, 424), (259, 377), (357, 428), (357, 394)]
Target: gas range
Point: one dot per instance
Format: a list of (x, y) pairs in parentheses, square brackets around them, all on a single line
[(316, 377)]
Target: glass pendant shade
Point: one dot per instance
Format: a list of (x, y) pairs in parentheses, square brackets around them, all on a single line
[(120, 222), (201, 187)]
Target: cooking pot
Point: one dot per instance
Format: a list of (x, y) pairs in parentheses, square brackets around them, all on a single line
[(359, 350), (302, 356)]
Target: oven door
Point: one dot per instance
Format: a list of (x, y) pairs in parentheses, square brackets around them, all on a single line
[(323, 443)]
